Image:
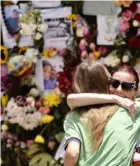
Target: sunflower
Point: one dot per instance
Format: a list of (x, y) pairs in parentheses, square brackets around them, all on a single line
[(4, 55)]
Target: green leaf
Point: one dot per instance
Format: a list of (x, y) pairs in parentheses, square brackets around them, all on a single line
[(33, 149), (46, 160), (35, 159), (41, 158)]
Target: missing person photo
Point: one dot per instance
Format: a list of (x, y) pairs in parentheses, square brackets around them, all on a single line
[(49, 76), (12, 17), (58, 28), (46, 74)]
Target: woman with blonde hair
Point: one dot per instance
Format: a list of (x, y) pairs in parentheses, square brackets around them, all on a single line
[(123, 82), (98, 135)]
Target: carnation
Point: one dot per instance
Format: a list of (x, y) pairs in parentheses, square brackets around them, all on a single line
[(127, 15), (124, 26)]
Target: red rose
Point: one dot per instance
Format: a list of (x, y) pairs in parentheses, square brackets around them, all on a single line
[(133, 7), (137, 17), (134, 43)]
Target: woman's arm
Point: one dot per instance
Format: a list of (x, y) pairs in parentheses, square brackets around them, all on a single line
[(72, 154), (85, 99)]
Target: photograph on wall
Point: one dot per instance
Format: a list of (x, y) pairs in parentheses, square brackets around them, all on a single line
[(8, 40), (107, 35), (11, 14), (47, 72), (59, 30)]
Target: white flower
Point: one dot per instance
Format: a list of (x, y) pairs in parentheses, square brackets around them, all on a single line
[(21, 32), (125, 59), (30, 101), (112, 60), (32, 26), (33, 80), (18, 115), (27, 29), (80, 32), (136, 23), (4, 127), (31, 54), (42, 27), (34, 92), (38, 36)]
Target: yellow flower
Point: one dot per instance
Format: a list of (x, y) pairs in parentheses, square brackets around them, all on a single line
[(47, 119), (126, 3), (97, 54), (51, 100), (73, 25), (4, 55), (39, 139), (74, 17), (51, 52), (69, 17), (22, 50), (4, 100), (45, 53)]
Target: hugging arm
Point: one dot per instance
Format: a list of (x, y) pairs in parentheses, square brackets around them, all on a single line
[(85, 99), (72, 153)]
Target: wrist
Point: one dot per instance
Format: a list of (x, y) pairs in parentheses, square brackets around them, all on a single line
[(115, 99)]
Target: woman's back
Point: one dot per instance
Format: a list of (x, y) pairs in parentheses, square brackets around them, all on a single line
[(119, 139)]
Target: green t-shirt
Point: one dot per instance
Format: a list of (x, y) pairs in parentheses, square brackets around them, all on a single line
[(118, 144)]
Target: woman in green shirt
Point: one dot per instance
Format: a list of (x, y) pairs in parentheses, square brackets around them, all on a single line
[(99, 135), (125, 74)]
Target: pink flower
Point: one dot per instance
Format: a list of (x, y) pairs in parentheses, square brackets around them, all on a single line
[(29, 142), (92, 46), (83, 44), (84, 54), (86, 31), (44, 110), (103, 50), (124, 26), (127, 15), (63, 52)]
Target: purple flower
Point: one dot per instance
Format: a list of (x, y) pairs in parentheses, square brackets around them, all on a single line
[(124, 26), (127, 15), (9, 141)]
